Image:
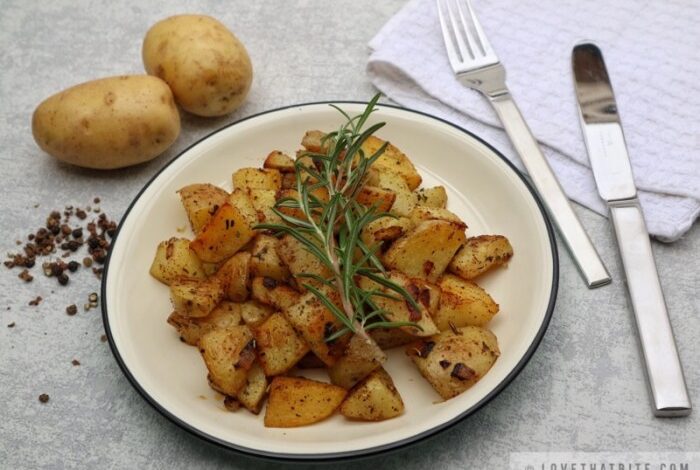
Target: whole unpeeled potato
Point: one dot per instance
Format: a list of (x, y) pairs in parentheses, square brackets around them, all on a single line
[(206, 66), (108, 123)]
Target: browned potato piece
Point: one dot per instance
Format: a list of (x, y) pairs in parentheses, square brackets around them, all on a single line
[(453, 361), (311, 361), (201, 201), (211, 268), (291, 211), (387, 338), (240, 200), (174, 259), (425, 252), (191, 329), (296, 401), (194, 297), (381, 198), (265, 261), (253, 392), (392, 160), (385, 229), (432, 197), (257, 178), (374, 399), (299, 261), (480, 254), (314, 322), (253, 313), (463, 303), (279, 161), (289, 181), (226, 233), (313, 141), (228, 355), (263, 201), (361, 357), (405, 199), (401, 310), (272, 292), (234, 277), (423, 213), (279, 347)]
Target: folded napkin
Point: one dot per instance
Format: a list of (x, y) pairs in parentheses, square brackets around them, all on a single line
[(651, 53)]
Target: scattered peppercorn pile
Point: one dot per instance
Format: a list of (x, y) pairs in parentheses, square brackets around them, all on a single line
[(61, 238)]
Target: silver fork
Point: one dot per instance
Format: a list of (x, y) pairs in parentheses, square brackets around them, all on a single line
[(476, 65)]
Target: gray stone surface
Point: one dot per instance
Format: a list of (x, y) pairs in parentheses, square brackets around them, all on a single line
[(583, 389)]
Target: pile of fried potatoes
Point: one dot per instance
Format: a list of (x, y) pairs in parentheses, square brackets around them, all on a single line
[(236, 296)]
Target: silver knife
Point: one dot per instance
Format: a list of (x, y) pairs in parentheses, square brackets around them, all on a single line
[(607, 151)]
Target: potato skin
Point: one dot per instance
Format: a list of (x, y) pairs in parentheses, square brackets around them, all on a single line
[(108, 123), (206, 66)]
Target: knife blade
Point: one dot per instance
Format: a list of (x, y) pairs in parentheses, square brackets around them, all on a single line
[(607, 151)]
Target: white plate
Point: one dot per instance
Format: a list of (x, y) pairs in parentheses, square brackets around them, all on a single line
[(483, 188)]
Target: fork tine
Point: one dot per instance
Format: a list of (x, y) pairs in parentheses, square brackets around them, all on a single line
[(463, 48), (452, 53), (485, 45), (473, 45)]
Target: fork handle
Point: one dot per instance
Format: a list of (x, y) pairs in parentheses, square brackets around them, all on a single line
[(582, 250)]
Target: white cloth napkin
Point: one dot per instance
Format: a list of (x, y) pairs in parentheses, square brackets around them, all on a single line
[(651, 51)]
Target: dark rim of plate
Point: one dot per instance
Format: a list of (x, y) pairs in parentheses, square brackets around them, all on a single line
[(355, 454)]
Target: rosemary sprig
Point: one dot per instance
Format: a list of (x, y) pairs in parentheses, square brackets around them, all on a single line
[(331, 229)]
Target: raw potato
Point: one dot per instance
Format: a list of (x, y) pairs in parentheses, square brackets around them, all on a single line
[(296, 401), (265, 261), (374, 399), (274, 293), (279, 347), (361, 357), (234, 277), (425, 252), (432, 197), (175, 259), (206, 66), (454, 361), (200, 202), (195, 298), (226, 233), (191, 329), (463, 303), (481, 254), (108, 123), (253, 392), (228, 355)]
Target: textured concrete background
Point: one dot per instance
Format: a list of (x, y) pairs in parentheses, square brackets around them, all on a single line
[(583, 389)]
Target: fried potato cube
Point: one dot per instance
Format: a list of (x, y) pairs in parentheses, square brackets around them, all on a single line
[(279, 161), (234, 277), (481, 254), (257, 178), (263, 201), (405, 199), (463, 303), (425, 252), (300, 261), (387, 338), (195, 297), (279, 347), (453, 361), (374, 399), (392, 160), (175, 259), (362, 356), (291, 211), (240, 200), (253, 312), (226, 233), (381, 198), (400, 310), (253, 392), (272, 292), (228, 355), (313, 141), (191, 329), (384, 230), (200, 202), (422, 213), (432, 197), (265, 262), (315, 323), (296, 401), (289, 181)]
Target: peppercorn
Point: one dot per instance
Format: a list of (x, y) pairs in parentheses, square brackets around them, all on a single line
[(63, 279), (72, 310)]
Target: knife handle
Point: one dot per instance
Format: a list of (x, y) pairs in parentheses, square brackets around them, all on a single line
[(663, 366), (575, 237)]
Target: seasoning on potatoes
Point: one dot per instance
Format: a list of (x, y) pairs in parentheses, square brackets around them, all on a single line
[(108, 123), (206, 66)]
